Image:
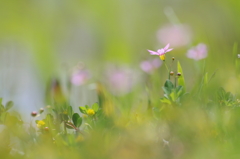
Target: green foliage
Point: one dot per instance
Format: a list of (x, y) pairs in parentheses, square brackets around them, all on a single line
[(168, 86), (172, 94), (9, 105), (77, 120), (83, 110), (5, 116), (226, 98), (181, 81), (95, 107), (70, 111)]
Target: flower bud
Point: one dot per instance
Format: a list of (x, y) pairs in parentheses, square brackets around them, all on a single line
[(173, 58), (46, 129), (34, 113), (171, 73), (41, 110), (179, 74)]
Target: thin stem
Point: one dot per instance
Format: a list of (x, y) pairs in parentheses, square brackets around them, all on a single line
[(65, 128), (171, 65), (167, 70), (175, 82)]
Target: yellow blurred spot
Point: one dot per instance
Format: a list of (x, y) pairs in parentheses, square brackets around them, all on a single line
[(40, 124), (90, 112), (79, 138), (84, 116), (162, 57)]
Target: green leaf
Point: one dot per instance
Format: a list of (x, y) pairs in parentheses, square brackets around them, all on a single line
[(221, 93), (95, 107), (49, 118), (168, 86), (70, 111), (64, 117), (165, 100), (3, 116), (181, 81), (36, 121), (83, 110), (9, 105), (86, 106), (166, 90), (2, 109), (179, 91), (173, 96), (77, 120)]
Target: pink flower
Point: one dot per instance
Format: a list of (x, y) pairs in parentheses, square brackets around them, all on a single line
[(149, 66), (161, 52), (80, 76), (120, 80), (177, 35), (197, 53)]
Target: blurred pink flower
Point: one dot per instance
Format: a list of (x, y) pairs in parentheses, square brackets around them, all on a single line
[(176, 35), (161, 52), (197, 53), (120, 80), (80, 76), (149, 66)]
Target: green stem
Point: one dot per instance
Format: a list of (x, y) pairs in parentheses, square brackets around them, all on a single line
[(175, 82), (171, 65), (167, 70), (65, 128)]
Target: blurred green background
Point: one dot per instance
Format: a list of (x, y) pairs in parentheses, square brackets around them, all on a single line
[(40, 38), (59, 32)]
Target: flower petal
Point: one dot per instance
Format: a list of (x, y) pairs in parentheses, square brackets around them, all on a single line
[(168, 50), (166, 47), (160, 51), (152, 52)]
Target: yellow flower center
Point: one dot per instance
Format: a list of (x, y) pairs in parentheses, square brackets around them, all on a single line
[(40, 123), (90, 112), (162, 57)]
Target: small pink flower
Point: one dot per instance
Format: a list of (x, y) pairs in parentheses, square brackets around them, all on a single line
[(80, 76), (177, 35), (161, 52), (149, 66), (197, 53), (120, 80)]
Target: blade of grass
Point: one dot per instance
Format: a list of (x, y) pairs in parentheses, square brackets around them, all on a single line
[(181, 81)]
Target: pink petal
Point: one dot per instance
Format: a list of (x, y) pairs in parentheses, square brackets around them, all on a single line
[(160, 51), (146, 66), (168, 50), (197, 53), (152, 52), (192, 54), (156, 62), (166, 47)]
